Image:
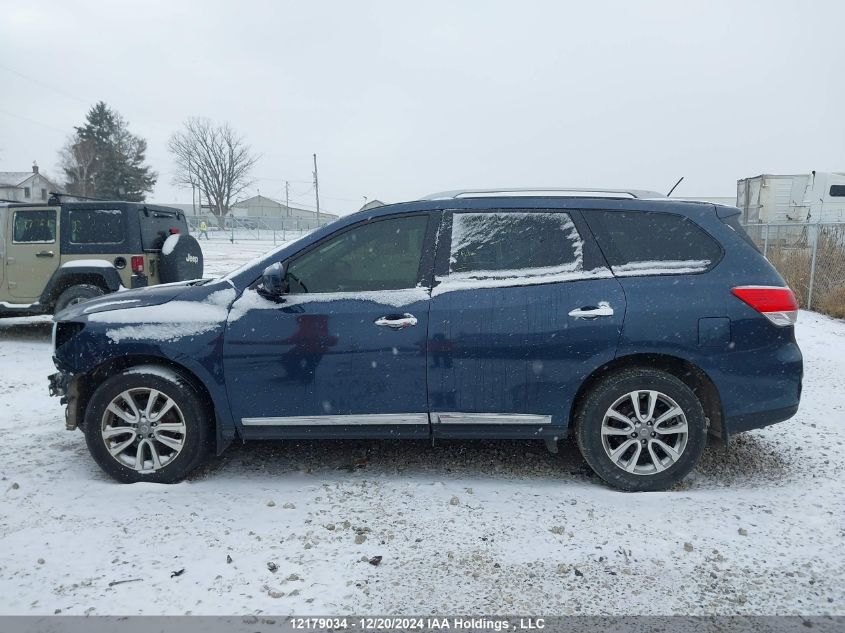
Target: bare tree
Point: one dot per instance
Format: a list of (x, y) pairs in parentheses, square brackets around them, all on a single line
[(77, 159), (213, 158)]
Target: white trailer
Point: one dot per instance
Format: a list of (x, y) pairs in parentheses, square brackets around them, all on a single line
[(780, 199)]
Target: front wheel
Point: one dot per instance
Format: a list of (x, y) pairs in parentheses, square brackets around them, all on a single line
[(77, 294), (147, 424), (641, 429)]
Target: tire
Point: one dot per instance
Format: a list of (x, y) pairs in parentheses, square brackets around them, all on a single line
[(179, 449), (664, 455), (181, 259), (77, 294)]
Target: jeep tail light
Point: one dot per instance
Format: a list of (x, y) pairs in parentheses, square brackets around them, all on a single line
[(138, 264), (776, 303), (175, 231)]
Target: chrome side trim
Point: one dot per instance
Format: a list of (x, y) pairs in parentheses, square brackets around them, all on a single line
[(490, 418), (340, 420)]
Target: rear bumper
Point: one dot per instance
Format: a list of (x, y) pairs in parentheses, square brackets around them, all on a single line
[(759, 387), (749, 421)]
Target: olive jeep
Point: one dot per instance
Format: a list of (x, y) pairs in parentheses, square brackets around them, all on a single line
[(57, 254)]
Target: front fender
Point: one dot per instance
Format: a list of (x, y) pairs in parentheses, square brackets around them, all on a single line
[(92, 357), (183, 334)]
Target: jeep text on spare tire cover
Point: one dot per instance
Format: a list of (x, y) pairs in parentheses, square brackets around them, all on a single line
[(181, 259)]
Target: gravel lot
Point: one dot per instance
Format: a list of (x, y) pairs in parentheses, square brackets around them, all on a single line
[(466, 527)]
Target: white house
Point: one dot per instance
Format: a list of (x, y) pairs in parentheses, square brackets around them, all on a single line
[(25, 186)]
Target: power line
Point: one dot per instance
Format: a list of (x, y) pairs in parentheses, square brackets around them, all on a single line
[(45, 85), (41, 123)]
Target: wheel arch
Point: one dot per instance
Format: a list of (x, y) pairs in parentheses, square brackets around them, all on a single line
[(91, 380), (689, 373), (108, 279)]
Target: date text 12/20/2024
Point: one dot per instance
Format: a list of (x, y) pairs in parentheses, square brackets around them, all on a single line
[(418, 624)]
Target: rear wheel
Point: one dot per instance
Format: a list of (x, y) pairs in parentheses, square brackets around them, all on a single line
[(641, 429), (147, 424), (77, 294)]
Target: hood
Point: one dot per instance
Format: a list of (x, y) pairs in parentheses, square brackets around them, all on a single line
[(138, 298)]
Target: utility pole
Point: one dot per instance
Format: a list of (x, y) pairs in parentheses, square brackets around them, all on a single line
[(317, 190), (287, 198)]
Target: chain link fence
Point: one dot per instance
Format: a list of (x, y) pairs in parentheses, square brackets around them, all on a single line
[(811, 258), (241, 228)]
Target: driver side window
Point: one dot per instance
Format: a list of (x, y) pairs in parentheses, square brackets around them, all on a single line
[(35, 226), (378, 255)]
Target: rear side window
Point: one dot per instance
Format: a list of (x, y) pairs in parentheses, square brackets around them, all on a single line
[(837, 191), (514, 244), (651, 243), (96, 226)]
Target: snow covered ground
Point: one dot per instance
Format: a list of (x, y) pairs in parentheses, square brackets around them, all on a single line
[(222, 256), (463, 527)]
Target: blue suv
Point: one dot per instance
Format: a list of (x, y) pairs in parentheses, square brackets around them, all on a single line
[(634, 323)]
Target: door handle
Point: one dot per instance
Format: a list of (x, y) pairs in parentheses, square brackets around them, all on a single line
[(603, 309), (397, 322), (45, 254)]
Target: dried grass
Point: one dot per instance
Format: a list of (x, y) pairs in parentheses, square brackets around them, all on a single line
[(794, 264)]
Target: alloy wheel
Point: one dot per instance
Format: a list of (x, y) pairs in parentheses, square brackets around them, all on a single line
[(644, 432), (143, 429)]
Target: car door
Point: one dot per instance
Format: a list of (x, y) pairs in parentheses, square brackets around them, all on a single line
[(523, 310), (343, 354), (32, 252)]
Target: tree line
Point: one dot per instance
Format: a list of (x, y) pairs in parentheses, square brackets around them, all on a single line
[(103, 159)]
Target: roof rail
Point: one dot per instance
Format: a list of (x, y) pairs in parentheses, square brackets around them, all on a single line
[(544, 192)]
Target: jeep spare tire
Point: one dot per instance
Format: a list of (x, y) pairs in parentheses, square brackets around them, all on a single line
[(181, 259)]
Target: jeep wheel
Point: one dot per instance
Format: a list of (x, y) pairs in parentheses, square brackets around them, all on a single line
[(147, 424), (77, 294), (641, 429)]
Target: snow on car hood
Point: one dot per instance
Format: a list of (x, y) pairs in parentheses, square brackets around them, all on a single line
[(154, 295), (115, 307), (160, 314)]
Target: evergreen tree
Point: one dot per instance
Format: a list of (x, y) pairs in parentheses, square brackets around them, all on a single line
[(113, 159)]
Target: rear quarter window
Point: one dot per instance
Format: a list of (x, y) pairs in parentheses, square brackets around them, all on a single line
[(97, 226), (653, 243)]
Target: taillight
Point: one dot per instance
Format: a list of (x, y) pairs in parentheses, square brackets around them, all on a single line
[(175, 231), (138, 264), (776, 303)]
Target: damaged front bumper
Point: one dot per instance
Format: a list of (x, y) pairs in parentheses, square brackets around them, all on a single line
[(59, 384), (66, 386)]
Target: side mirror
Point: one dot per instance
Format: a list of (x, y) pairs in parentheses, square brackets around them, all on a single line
[(273, 280)]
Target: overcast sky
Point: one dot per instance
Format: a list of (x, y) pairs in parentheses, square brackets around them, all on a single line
[(401, 99)]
